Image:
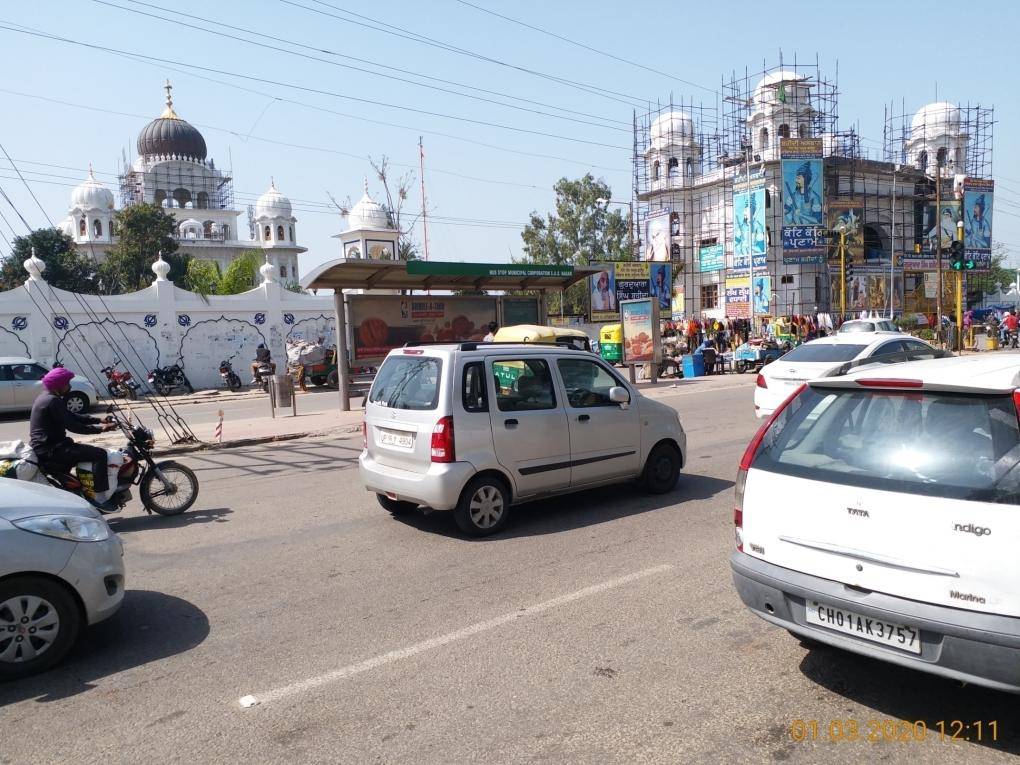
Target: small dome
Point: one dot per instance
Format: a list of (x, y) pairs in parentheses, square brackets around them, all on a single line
[(935, 119), (267, 271), (161, 269), (91, 195), (170, 136), (767, 89), (272, 204), (671, 128), (368, 213)]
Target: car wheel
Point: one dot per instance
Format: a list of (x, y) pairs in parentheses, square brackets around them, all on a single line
[(741, 367), (76, 402), (483, 508), (662, 470), (333, 379), (39, 621), (395, 506)]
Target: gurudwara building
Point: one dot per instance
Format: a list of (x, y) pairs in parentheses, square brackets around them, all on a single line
[(172, 170)]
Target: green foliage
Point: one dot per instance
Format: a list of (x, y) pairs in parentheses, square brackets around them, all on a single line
[(242, 274), (203, 277), (143, 231), (66, 267), (997, 278)]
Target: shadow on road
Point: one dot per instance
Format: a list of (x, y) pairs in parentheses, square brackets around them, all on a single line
[(149, 626), (586, 508), (125, 525), (904, 694)]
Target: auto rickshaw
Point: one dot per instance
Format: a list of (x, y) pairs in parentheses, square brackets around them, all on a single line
[(509, 371), (611, 343)]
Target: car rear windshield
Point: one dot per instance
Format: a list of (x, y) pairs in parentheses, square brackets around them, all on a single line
[(407, 382), (932, 443), (824, 352)]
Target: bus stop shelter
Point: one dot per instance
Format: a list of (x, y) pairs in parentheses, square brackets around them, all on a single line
[(420, 275)]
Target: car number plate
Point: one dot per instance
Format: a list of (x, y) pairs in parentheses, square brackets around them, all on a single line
[(868, 627), (396, 438)]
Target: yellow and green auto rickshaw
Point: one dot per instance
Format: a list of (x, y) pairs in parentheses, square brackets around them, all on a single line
[(611, 343), (509, 371)]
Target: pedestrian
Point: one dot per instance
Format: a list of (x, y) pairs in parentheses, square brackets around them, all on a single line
[(491, 337)]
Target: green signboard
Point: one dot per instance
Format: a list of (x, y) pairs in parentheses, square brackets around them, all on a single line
[(434, 268)]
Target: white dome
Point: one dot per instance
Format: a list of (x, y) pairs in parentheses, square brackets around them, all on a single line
[(935, 119), (671, 127), (765, 92), (368, 213), (91, 195), (273, 204)]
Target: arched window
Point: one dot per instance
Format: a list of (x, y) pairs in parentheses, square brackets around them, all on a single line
[(97, 228), (207, 229), (226, 231), (655, 170), (291, 229), (113, 228), (182, 197), (802, 131), (768, 199), (267, 234), (922, 161), (279, 234), (203, 200), (784, 131), (689, 168), (763, 136), (81, 227), (160, 199), (283, 272), (768, 235), (674, 168), (940, 157)]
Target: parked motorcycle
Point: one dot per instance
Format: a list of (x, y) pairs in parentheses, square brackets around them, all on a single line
[(166, 488), (229, 376), (120, 384), (166, 380), (263, 372)]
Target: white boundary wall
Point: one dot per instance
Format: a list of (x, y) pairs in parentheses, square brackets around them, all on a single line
[(159, 325)]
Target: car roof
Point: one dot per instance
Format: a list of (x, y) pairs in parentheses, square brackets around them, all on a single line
[(489, 348), (16, 360), (857, 338), (996, 373)]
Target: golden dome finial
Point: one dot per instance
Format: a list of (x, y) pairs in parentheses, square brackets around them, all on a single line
[(169, 112)]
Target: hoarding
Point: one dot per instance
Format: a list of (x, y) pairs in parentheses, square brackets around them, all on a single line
[(849, 214), (712, 257), (677, 304), (657, 236), (761, 294), (943, 218), (628, 280), (738, 297), (749, 235), (384, 322), (977, 221), (804, 239), (639, 320)]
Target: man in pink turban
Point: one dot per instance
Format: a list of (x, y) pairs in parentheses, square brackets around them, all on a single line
[(50, 422)]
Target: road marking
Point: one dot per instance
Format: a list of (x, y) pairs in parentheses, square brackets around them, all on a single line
[(450, 637)]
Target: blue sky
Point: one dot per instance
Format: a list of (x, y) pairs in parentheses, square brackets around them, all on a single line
[(482, 179)]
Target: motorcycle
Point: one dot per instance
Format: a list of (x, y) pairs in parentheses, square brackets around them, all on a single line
[(120, 384), (229, 376), (166, 488), (263, 373), (167, 379)]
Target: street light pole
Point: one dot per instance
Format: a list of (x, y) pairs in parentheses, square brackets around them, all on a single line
[(959, 294), (938, 253), (842, 272)]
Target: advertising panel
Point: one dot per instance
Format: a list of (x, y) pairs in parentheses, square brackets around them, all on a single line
[(804, 239), (677, 306), (738, 297), (381, 323), (869, 291), (657, 236), (749, 236), (944, 218), (761, 293), (977, 221), (519, 311), (629, 280), (639, 321), (603, 293), (712, 257), (848, 213)]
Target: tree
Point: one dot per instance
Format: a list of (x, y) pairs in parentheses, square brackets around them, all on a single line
[(582, 230), (66, 267), (203, 277), (998, 277), (143, 231), (242, 274)]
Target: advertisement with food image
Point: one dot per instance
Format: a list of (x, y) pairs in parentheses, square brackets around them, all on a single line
[(381, 323), (640, 324)]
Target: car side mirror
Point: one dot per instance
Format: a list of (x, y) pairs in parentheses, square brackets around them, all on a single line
[(619, 395)]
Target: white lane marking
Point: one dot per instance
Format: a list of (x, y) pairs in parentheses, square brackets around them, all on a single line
[(450, 637)]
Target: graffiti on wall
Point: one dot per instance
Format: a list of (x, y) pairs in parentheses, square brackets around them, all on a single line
[(89, 346), (207, 342), (312, 328)]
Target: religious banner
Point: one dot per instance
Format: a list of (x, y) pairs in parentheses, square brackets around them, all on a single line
[(629, 280), (677, 304), (977, 221), (804, 239), (657, 236), (712, 257), (738, 297), (749, 235), (847, 214)]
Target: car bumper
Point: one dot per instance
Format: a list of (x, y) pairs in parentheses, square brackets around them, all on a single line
[(96, 571), (972, 647), (439, 487)]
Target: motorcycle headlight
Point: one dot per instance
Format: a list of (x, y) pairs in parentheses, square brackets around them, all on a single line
[(73, 528)]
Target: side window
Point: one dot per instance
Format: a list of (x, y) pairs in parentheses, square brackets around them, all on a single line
[(587, 383), (5, 373), (523, 385), (27, 372), (474, 395)]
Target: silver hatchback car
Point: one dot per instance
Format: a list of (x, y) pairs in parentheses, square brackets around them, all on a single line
[(477, 427)]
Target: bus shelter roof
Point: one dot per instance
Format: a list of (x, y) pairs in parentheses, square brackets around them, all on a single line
[(345, 274)]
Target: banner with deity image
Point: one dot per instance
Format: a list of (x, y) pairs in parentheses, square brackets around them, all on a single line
[(749, 235), (977, 220), (804, 239), (657, 236), (847, 214)]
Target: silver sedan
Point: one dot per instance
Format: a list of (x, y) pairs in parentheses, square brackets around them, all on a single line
[(21, 383), (61, 569)]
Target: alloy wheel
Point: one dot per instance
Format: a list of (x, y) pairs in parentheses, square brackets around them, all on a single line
[(28, 626), (486, 507)]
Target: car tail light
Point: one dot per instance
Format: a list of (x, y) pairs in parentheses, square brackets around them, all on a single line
[(1016, 403), (760, 382), (364, 435), (443, 449), (745, 465), (890, 383)]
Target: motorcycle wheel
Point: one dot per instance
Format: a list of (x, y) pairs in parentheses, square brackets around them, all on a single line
[(130, 393), (114, 389), (175, 498), (187, 384), (162, 389), (234, 382)]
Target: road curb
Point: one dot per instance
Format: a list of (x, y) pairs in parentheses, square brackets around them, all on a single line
[(203, 446)]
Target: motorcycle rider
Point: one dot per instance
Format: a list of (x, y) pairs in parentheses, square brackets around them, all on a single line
[(261, 357), (49, 422)]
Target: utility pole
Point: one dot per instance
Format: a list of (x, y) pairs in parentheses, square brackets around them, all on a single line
[(842, 272), (938, 252), (959, 293), (892, 247), (424, 219)]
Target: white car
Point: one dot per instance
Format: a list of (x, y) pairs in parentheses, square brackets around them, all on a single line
[(868, 325), (21, 383), (879, 512), (826, 355)]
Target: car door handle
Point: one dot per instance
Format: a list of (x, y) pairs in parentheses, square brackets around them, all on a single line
[(510, 424), (583, 418)]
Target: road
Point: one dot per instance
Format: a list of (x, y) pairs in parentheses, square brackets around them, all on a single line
[(599, 628)]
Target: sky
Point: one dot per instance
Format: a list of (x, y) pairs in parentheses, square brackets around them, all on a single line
[(305, 91)]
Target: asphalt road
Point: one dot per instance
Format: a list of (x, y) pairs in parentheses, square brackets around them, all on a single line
[(598, 628)]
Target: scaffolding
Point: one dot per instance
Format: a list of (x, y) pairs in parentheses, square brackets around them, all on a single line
[(179, 183)]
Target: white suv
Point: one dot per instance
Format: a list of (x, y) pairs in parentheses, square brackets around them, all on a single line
[(476, 427), (879, 512)]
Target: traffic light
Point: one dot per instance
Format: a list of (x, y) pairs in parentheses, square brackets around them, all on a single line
[(957, 257), (848, 267)]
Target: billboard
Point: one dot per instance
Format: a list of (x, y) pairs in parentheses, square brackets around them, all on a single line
[(749, 236), (977, 221), (943, 218), (712, 257), (381, 323), (657, 236), (761, 294), (804, 239), (639, 320), (738, 297), (678, 301), (848, 213), (629, 280), (868, 291)]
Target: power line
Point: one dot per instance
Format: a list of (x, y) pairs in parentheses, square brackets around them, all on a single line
[(407, 34), (587, 47), (317, 91), (45, 214)]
